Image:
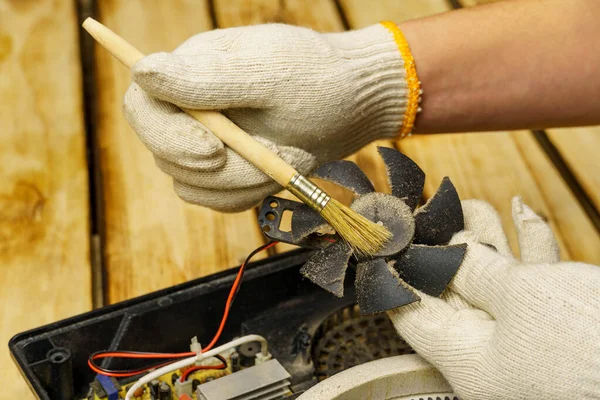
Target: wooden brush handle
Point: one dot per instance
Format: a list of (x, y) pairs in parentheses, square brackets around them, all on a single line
[(228, 132)]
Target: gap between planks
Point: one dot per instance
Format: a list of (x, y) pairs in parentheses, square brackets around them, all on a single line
[(85, 9), (153, 239)]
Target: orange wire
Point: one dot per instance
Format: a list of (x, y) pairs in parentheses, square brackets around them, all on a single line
[(215, 339), (149, 355), (228, 303), (124, 374), (189, 371)]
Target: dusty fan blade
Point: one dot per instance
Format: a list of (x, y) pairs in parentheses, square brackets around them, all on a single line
[(429, 268), (305, 221), (343, 173), (393, 213), (346, 174), (271, 215), (328, 267), (440, 218), (405, 177), (378, 288)]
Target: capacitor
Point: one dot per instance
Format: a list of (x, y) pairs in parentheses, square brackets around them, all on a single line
[(235, 361), (138, 392), (164, 391), (174, 378), (195, 384), (154, 389)]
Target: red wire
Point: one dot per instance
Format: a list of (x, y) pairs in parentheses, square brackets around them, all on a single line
[(125, 374), (236, 284), (188, 371), (229, 300), (146, 355)]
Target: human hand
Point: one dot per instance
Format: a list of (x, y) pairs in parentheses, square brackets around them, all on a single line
[(508, 328), (310, 97)]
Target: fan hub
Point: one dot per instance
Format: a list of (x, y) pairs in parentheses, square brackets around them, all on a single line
[(393, 213)]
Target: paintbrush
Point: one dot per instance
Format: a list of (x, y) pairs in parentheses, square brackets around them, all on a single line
[(364, 236)]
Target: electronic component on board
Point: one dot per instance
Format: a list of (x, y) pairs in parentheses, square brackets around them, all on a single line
[(110, 386), (164, 391), (235, 361)]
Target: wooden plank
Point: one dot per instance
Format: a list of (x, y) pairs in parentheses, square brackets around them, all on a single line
[(471, 3), (320, 15), (579, 148), (360, 13), (153, 238), (44, 217), (497, 166), (492, 166)]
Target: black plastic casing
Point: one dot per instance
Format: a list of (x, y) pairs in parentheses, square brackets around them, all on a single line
[(274, 301)]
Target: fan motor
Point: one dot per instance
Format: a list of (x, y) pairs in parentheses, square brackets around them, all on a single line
[(347, 338)]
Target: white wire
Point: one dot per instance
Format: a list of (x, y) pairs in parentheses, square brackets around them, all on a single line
[(191, 360)]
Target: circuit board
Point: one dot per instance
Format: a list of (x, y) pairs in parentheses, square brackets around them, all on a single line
[(168, 386), (244, 373), (55, 358)]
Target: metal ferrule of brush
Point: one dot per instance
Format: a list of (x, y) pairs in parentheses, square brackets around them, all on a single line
[(308, 192)]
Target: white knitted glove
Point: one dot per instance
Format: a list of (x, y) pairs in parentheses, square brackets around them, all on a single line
[(510, 329), (310, 97)]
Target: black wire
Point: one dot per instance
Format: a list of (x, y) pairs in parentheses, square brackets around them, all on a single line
[(92, 360), (245, 264), (132, 371), (173, 359), (144, 353), (142, 369), (223, 361)]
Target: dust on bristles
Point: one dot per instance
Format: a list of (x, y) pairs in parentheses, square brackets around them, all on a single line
[(365, 237)]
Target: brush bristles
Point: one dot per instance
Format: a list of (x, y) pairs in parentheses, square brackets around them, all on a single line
[(364, 236)]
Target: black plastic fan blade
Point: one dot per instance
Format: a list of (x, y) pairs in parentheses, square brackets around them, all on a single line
[(378, 288), (328, 267), (270, 216), (346, 174), (305, 221), (405, 177), (440, 218), (429, 268)]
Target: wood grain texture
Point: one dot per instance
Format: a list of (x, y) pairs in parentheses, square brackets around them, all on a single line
[(497, 166), (491, 166), (579, 148), (320, 15), (471, 3), (44, 217), (361, 13), (153, 239)]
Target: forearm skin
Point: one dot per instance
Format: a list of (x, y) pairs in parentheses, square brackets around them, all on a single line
[(516, 64)]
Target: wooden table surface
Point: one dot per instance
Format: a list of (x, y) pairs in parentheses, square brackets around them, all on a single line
[(87, 219)]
